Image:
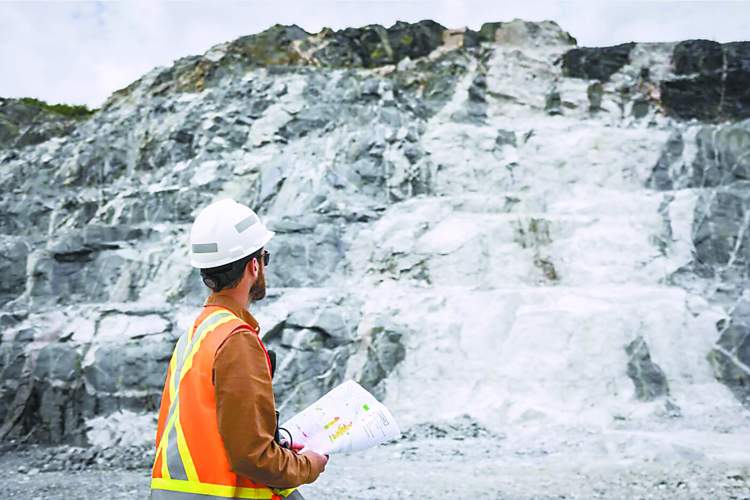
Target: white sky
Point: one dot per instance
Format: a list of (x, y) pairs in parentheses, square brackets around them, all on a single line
[(80, 52)]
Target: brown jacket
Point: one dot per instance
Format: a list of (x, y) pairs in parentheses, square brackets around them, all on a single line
[(245, 409)]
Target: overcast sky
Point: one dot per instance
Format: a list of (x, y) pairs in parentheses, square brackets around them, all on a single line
[(80, 52)]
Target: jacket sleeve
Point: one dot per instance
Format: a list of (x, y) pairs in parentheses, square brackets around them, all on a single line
[(245, 411)]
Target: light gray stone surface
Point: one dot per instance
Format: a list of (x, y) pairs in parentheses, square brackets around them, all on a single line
[(467, 223)]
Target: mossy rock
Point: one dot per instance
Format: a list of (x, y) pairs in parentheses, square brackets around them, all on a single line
[(374, 46), (272, 47), (379, 56), (373, 41), (414, 40)]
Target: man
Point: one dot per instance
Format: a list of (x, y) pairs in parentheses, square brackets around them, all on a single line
[(216, 436)]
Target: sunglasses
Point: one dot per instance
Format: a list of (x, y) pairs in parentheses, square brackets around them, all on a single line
[(266, 257)]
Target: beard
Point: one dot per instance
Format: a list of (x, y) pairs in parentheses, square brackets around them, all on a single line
[(258, 290)]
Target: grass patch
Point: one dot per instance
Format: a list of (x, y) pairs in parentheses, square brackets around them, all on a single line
[(76, 111)]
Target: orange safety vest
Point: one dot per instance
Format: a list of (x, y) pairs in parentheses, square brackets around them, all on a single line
[(191, 462)]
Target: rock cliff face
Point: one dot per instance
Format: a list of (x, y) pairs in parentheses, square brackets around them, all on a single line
[(24, 122), (494, 223)]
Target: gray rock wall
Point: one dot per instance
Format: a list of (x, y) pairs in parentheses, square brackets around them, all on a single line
[(457, 212)]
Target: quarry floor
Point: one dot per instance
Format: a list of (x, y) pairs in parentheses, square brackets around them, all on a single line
[(430, 468)]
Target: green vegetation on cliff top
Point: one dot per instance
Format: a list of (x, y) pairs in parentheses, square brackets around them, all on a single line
[(75, 111)]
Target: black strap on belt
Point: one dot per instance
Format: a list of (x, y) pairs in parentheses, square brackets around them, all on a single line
[(277, 434), (272, 358)]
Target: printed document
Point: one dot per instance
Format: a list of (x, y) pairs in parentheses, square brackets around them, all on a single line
[(346, 419)]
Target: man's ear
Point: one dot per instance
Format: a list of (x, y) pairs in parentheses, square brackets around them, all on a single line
[(252, 268)]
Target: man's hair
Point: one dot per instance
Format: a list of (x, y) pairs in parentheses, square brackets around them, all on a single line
[(228, 275)]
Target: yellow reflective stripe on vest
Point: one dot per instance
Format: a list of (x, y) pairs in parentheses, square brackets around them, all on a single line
[(177, 358), (217, 490), (187, 458), (184, 354)]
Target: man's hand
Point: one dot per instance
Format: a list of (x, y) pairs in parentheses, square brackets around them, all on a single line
[(296, 447), (318, 461)]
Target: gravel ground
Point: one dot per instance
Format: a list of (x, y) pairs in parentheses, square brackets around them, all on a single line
[(429, 468)]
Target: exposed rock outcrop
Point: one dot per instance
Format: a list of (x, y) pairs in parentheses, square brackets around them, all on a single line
[(731, 356), (713, 81), (596, 63), (467, 223), (649, 380)]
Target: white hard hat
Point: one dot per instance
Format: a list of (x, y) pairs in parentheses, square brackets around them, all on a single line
[(224, 232)]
